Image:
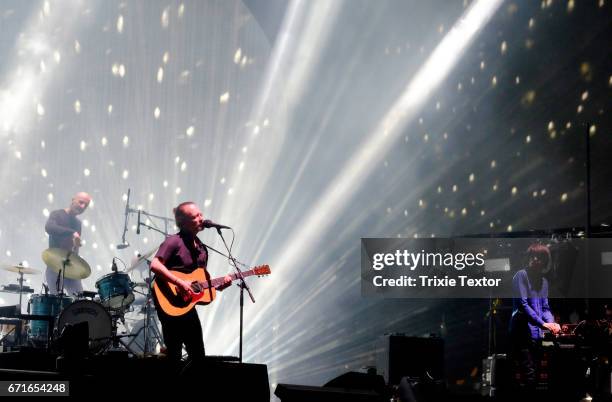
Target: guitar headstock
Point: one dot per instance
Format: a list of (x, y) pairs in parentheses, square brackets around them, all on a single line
[(262, 270)]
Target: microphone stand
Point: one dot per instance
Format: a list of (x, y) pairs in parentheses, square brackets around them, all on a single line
[(127, 214), (243, 285)]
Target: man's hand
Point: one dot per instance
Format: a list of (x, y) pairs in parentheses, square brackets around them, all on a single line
[(184, 289), (227, 280), (76, 239), (553, 327)]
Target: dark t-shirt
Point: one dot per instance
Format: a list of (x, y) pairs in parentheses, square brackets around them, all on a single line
[(179, 253), (60, 226)]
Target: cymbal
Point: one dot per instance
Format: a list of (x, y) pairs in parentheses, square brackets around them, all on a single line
[(12, 288), (76, 267), (142, 258), (20, 269)]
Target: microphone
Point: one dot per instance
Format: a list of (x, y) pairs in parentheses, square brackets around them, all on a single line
[(122, 246), (138, 225), (114, 267), (210, 224)]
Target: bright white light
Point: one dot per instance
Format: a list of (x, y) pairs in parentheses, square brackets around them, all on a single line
[(418, 90)]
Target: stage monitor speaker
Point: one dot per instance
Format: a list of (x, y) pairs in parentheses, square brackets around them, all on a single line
[(356, 380), (230, 381), (414, 357), (303, 393)]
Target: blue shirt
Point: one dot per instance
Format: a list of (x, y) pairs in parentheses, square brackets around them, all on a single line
[(530, 311)]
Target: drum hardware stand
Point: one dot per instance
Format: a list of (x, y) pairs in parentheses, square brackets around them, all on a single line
[(147, 323), (20, 280)]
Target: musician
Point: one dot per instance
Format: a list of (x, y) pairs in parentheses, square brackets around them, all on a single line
[(182, 252), (531, 314), (64, 229)]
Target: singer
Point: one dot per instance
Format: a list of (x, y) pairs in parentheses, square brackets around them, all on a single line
[(184, 253), (64, 229)]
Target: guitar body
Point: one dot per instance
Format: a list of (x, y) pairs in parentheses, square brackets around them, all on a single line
[(173, 303)]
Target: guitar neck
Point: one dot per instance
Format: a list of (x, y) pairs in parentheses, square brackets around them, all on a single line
[(219, 281)]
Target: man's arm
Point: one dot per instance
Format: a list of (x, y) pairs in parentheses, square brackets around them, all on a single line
[(163, 273)]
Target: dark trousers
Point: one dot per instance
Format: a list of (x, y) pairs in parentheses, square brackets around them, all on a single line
[(185, 329), (525, 355)]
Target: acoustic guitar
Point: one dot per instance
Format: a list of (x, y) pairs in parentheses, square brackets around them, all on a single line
[(173, 301)]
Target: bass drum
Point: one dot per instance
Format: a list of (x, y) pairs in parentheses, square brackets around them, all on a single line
[(100, 322)]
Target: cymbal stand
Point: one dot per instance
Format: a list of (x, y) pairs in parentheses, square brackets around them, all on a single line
[(62, 275), (18, 334)]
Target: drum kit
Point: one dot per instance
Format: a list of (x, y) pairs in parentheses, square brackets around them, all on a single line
[(49, 315)]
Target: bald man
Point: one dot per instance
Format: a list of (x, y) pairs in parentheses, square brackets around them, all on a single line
[(64, 229)]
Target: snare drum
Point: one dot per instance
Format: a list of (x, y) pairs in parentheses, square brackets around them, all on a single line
[(98, 320), (41, 304), (115, 290)]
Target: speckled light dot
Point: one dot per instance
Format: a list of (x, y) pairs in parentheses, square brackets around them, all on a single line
[(120, 24), (584, 96), (165, 18), (86, 172)]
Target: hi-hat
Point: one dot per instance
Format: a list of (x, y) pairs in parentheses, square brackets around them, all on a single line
[(57, 259), (20, 269)]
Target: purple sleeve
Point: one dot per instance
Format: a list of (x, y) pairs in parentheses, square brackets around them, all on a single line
[(546, 313), (521, 291), (167, 249)]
